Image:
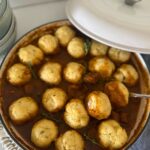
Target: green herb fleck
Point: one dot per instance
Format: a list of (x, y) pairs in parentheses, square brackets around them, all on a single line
[(91, 139), (87, 45), (32, 71), (101, 81), (48, 116)]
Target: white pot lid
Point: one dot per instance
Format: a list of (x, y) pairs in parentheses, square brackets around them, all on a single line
[(112, 22)]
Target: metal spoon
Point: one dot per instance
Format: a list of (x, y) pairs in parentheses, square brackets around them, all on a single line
[(136, 95), (131, 2)]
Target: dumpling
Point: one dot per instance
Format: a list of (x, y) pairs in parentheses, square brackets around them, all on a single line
[(76, 48), (43, 133), (50, 73), (98, 105), (102, 65), (70, 140), (65, 34), (73, 72), (49, 44), (23, 110), (112, 135), (75, 114), (127, 74), (117, 92), (18, 74), (98, 49), (54, 99), (118, 56), (30, 54)]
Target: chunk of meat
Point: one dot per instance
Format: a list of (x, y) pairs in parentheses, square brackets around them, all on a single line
[(91, 77), (76, 91)]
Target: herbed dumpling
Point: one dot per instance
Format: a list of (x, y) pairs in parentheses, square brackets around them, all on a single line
[(43, 133), (23, 110), (49, 44), (112, 135), (54, 99), (98, 49), (18, 74), (73, 72), (70, 140), (117, 92), (75, 114), (65, 34), (76, 48), (102, 65), (98, 105), (31, 55), (118, 56), (50, 73), (127, 74)]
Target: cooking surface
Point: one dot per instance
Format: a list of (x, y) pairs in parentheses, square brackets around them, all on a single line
[(23, 25)]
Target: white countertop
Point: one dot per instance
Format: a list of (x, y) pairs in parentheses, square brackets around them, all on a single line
[(36, 12)]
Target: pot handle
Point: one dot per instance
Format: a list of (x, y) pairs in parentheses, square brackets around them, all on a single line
[(6, 141)]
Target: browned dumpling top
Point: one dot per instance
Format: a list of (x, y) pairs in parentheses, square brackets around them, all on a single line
[(98, 105), (112, 135), (76, 48), (23, 110), (118, 56), (70, 140), (54, 99), (43, 133), (18, 74), (30, 55), (127, 74), (64, 34), (117, 92), (73, 72), (98, 49), (50, 73), (75, 114), (49, 44), (102, 65)]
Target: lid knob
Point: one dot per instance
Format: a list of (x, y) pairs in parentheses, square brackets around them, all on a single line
[(131, 2)]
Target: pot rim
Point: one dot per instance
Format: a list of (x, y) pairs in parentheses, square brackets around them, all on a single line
[(132, 140), (4, 10)]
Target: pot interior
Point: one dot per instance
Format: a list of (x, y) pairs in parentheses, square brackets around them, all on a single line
[(139, 107)]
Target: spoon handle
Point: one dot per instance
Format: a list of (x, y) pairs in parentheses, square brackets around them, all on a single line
[(136, 95)]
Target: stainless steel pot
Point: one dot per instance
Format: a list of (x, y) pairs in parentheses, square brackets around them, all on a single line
[(7, 26)]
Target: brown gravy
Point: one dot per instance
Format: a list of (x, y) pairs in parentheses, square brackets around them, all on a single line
[(35, 88)]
